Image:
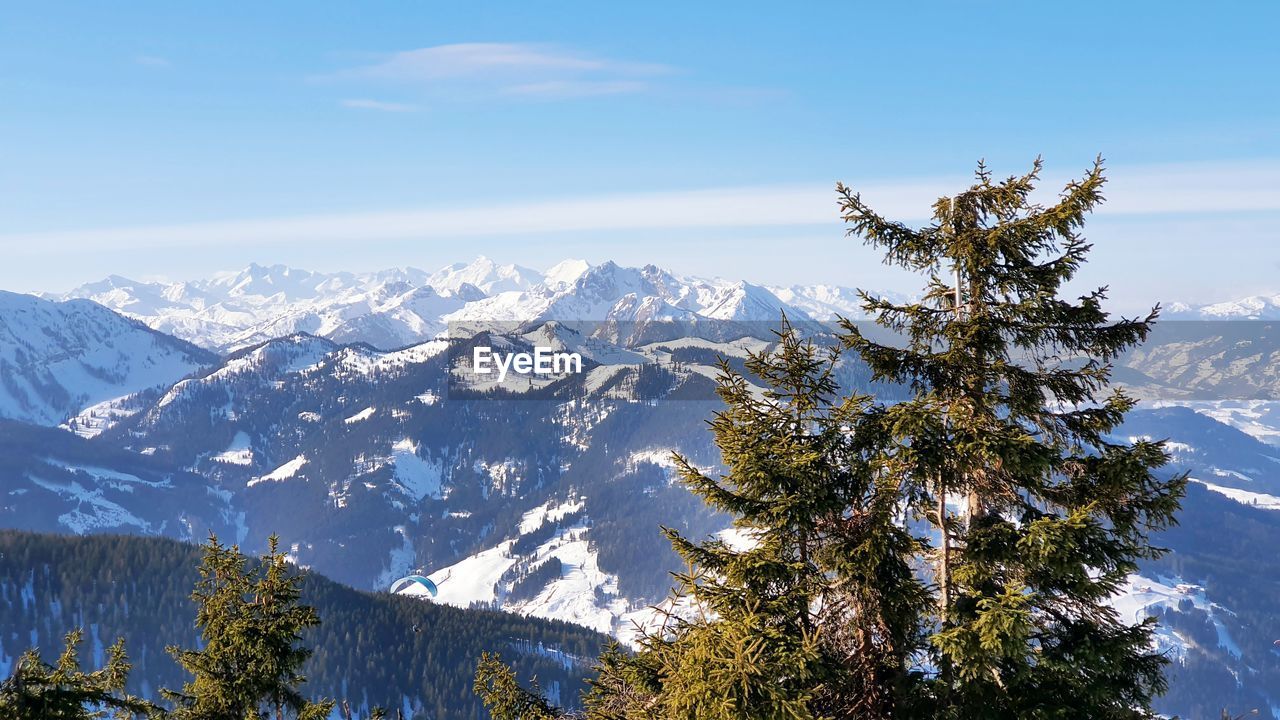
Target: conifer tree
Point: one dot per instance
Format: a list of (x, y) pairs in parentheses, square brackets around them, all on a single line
[(503, 697), (1011, 419), (39, 691), (946, 557), (815, 612), (251, 618)]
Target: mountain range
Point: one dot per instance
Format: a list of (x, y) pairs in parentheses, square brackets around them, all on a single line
[(397, 307), (394, 308), (326, 408)]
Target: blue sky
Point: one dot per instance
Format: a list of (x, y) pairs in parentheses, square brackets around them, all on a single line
[(175, 139)]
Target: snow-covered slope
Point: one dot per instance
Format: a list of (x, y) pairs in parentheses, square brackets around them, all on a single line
[(229, 311), (58, 358), (53, 481), (485, 274), (620, 303)]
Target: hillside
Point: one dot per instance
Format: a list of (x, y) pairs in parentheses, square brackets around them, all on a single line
[(371, 649), (59, 358)]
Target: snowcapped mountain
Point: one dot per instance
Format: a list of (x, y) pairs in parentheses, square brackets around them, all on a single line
[(58, 358), (395, 308), (564, 273), (619, 302), (485, 274), (822, 302), (371, 465), (1256, 307), (544, 498), (229, 311)]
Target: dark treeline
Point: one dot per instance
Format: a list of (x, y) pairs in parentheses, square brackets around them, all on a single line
[(371, 650)]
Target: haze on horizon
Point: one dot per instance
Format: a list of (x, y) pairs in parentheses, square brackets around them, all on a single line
[(157, 140)]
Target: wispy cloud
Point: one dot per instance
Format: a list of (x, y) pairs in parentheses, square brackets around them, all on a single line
[(467, 70), (151, 60), (1137, 191), (380, 105), (575, 88)]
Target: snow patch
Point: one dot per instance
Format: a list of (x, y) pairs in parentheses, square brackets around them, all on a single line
[(415, 476), (535, 518), (239, 452), (284, 472), (1244, 497)]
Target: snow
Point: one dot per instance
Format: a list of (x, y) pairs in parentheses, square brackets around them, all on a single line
[(399, 561), (1245, 497), (114, 478), (400, 307), (472, 579), (62, 358), (364, 414), (662, 457), (741, 347), (485, 274), (1141, 597), (564, 273), (535, 518), (1259, 418), (265, 363), (572, 597), (365, 363), (92, 511), (239, 452), (1254, 307), (583, 594), (738, 539), (284, 472), (100, 417), (599, 376), (504, 475), (415, 476)]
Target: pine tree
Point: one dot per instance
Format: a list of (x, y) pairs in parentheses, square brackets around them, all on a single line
[(251, 619), (862, 592), (39, 691), (816, 613), (503, 697), (1011, 419)]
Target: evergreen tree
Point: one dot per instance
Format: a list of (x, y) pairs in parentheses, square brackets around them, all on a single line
[(39, 691), (1011, 417), (998, 609), (816, 612), (251, 618), (504, 698)]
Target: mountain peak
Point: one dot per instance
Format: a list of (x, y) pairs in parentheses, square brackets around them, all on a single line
[(485, 274), (565, 273)]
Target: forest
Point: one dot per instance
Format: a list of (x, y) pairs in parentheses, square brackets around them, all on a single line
[(368, 649)]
